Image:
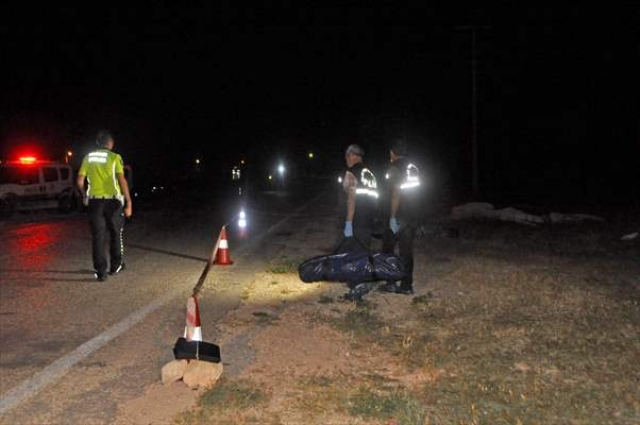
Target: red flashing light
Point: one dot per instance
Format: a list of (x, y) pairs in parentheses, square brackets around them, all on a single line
[(27, 160)]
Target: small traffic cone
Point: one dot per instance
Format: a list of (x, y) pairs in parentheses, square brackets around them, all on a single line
[(193, 329), (190, 346), (222, 257)]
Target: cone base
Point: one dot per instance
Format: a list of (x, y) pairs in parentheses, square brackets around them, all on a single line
[(196, 350)]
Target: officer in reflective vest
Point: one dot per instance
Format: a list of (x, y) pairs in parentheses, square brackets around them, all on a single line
[(404, 184), (361, 189), (106, 195)]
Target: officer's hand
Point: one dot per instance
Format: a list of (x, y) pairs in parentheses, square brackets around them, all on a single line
[(348, 229), (128, 211), (394, 225)]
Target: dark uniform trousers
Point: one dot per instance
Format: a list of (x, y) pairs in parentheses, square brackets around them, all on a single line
[(106, 218), (363, 231), (404, 239)]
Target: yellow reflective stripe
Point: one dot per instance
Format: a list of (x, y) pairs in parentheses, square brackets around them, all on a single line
[(98, 157), (409, 185), (368, 192)]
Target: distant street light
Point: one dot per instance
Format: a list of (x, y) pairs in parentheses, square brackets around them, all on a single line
[(310, 155), (281, 171)]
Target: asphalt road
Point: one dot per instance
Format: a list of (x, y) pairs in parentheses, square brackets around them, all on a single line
[(73, 349)]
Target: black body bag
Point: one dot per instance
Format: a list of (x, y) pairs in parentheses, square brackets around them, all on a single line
[(352, 267)]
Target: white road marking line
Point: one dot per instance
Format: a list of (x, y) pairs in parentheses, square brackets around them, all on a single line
[(56, 370)]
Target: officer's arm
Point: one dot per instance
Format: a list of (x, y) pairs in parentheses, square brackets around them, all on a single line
[(395, 201), (80, 183), (351, 201), (124, 187), (351, 204)]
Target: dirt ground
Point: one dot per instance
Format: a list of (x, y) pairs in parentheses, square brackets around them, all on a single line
[(510, 324)]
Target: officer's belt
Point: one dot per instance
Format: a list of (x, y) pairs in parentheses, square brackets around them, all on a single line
[(117, 197)]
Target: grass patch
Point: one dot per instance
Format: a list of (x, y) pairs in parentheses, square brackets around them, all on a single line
[(422, 299), (361, 321), (398, 405), (409, 346), (283, 265), (246, 294), (371, 397), (233, 396), (222, 403), (263, 317), (324, 299)]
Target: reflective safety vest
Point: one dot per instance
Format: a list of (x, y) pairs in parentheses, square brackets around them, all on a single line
[(406, 176), (409, 177), (366, 192), (101, 168)]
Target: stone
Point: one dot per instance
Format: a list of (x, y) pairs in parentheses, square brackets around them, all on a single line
[(201, 374), (173, 371), (473, 210)]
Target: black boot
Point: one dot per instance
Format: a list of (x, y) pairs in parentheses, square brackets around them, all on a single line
[(389, 287), (356, 293)]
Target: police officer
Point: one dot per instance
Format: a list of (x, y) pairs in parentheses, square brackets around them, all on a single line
[(403, 181), (361, 189), (106, 196)]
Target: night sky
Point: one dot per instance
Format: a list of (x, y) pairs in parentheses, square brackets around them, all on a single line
[(557, 89)]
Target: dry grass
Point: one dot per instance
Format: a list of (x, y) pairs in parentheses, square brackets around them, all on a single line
[(509, 326), (230, 402)]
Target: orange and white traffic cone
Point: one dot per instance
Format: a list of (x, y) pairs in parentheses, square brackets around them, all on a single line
[(191, 346), (223, 257), (193, 329)]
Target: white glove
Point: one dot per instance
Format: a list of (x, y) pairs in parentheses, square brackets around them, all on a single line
[(394, 225), (348, 229)]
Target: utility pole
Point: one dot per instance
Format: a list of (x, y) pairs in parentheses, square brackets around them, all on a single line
[(474, 104)]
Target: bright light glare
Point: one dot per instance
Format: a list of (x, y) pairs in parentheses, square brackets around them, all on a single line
[(242, 219), (281, 169), (310, 155), (27, 159)]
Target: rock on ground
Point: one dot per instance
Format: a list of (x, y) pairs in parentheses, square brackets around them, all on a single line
[(173, 371), (201, 374)]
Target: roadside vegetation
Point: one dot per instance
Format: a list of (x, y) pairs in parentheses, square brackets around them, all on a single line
[(509, 325)]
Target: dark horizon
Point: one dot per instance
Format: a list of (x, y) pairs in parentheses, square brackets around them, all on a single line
[(557, 101)]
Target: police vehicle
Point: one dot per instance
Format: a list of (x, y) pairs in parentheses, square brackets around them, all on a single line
[(30, 183)]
